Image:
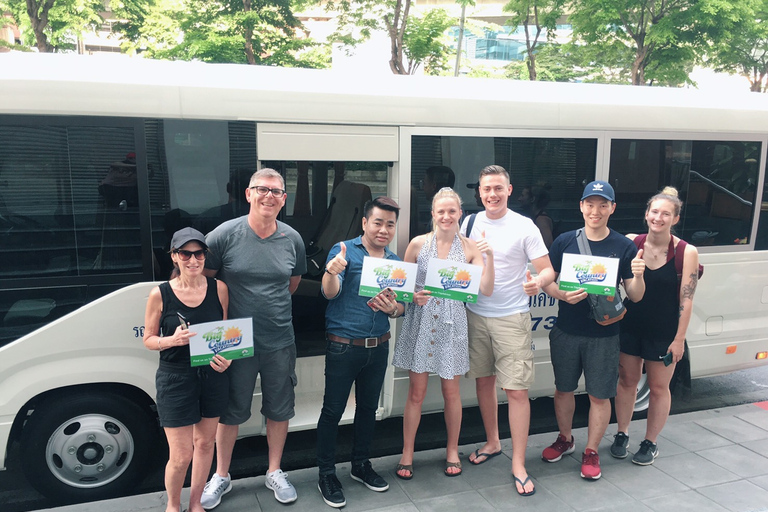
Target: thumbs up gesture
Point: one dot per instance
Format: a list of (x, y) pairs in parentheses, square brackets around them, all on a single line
[(638, 264), (337, 265), (530, 284), (484, 246)]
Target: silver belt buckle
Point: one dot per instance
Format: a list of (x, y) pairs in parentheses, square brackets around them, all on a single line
[(373, 341)]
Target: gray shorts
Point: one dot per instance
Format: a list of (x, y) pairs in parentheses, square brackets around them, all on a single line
[(278, 380), (598, 358)]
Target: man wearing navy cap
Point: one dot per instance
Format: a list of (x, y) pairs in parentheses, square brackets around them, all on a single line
[(577, 342)]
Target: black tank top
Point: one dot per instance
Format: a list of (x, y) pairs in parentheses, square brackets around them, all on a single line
[(208, 311), (658, 312)]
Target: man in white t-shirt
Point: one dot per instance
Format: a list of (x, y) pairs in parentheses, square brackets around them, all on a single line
[(500, 346)]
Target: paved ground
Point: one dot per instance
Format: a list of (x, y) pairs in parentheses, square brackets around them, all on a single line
[(715, 460)]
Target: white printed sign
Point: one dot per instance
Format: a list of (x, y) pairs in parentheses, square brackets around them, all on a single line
[(595, 274), (232, 339)]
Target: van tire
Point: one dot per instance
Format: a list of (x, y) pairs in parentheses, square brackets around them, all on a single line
[(87, 446)]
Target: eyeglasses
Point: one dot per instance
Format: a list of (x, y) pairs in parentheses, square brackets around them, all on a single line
[(262, 191), (185, 255)]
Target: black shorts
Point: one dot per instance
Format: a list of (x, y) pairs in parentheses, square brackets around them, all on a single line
[(645, 346), (186, 394)]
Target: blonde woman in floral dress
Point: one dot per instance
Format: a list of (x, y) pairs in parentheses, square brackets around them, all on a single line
[(434, 334)]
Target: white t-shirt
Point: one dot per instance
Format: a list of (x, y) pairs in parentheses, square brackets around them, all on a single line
[(515, 241)]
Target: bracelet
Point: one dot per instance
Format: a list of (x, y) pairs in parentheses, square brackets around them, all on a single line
[(329, 272), (394, 312), (158, 343)]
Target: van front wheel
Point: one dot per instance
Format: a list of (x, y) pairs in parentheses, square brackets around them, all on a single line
[(86, 446)]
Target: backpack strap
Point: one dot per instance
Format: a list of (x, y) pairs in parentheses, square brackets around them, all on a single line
[(470, 223), (679, 255), (640, 241)]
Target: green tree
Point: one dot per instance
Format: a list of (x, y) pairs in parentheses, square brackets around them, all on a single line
[(424, 42), (536, 16), (53, 25), (357, 19), (413, 40), (746, 53), (262, 32), (666, 37)]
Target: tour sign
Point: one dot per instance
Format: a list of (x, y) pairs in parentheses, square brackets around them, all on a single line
[(380, 273), (232, 339), (595, 274), (453, 280)]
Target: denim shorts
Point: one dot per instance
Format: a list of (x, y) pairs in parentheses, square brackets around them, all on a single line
[(186, 394)]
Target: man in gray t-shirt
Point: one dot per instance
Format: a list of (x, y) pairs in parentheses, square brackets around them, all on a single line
[(261, 259)]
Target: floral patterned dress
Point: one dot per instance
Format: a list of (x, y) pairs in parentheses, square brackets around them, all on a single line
[(434, 336)]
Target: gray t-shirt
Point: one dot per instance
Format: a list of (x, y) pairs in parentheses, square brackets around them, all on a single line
[(257, 272)]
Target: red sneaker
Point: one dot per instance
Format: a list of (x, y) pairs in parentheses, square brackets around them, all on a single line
[(590, 465), (556, 450)]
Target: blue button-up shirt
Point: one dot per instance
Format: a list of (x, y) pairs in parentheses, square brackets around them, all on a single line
[(348, 314)]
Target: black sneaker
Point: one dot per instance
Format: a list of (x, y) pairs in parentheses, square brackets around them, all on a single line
[(330, 488), (646, 454), (619, 446), (365, 474)]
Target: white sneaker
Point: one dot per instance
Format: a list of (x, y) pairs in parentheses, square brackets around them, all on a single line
[(278, 482), (215, 488)]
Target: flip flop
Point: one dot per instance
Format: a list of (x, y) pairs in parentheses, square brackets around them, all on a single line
[(407, 467), (487, 456), (522, 486), (449, 465)]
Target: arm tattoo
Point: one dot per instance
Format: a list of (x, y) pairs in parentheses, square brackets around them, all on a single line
[(690, 288), (680, 313)]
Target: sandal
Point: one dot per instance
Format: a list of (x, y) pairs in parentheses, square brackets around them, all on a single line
[(407, 467), (449, 465), (522, 486)]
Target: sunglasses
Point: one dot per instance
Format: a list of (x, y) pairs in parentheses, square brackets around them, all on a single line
[(185, 255)]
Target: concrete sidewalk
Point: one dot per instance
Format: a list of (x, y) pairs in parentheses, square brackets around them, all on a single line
[(714, 460)]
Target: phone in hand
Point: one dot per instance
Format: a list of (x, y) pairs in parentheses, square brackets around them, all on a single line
[(386, 292), (183, 321), (667, 359)]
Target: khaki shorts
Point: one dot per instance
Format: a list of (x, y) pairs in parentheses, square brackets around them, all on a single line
[(501, 346)]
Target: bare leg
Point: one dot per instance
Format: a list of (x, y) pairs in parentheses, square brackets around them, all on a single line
[(661, 399), (565, 405), (519, 424), (417, 390), (226, 435), (277, 432), (630, 370), (599, 416), (204, 439), (452, 413), (489, 410), (180, 454)]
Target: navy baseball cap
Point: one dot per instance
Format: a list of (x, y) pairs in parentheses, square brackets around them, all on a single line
[(599, 188), (186, 235)]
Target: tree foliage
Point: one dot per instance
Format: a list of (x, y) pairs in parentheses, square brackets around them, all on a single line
[(357, 19), (424, 42), (226, 31), (414, 41), (53, 25), (746, 53), (535, 16), (666, 37)]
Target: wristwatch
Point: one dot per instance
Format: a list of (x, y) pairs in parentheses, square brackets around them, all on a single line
[(394, 312)]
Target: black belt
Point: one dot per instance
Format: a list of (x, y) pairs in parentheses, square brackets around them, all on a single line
[(361, 342)]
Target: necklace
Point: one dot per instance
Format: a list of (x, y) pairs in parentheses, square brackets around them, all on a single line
[(656, 252)]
